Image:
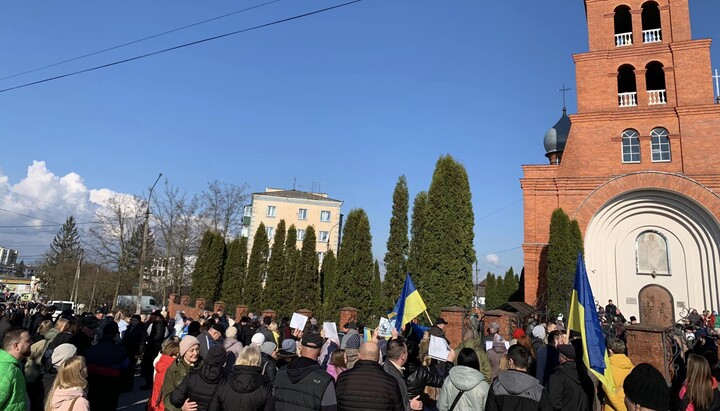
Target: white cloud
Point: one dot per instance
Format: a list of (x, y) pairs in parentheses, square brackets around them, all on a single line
[(492, 259), (47, 198)]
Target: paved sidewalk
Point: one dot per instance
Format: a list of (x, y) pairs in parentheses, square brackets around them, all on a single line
[(137, 399)]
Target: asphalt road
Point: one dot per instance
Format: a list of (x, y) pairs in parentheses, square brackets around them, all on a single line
[(137, 399)]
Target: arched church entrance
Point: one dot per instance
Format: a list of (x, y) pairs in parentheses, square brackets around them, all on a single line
[(654, 252), (656, 306)]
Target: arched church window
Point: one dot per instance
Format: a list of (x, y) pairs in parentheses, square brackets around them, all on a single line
[(655, 80), (627, 87), (651, 251), (652, 32), (630, 146), (623, 26), (660, 144)]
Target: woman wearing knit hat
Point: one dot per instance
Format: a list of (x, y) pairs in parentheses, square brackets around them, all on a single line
[(68, 389), (188, 359), (200, 384), (646, 389), (700, 391)]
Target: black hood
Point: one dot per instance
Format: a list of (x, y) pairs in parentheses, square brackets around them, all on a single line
[(300, 368), (246, 378), (211, 373), (569, 369)]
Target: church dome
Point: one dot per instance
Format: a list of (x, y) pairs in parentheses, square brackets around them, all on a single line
[(557, 136)]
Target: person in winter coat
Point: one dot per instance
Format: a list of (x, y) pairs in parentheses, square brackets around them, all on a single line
[(245, 388), (514, 389), (15, 349), (337, 363), (232, 347), (156, 332), (367, 385), (352, 329), (565, 389), (133, 339), (268, 364), (548, 358), (108, 370), (169, 353), (700, 390), (188, 359), (34, 367), (646, 389), (496, 353), (467, 379), (200, 384), (60, 354), (477, 344), (620, 367), (68, 390)]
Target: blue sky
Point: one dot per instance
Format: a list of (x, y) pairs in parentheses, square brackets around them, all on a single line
[(349, 99)]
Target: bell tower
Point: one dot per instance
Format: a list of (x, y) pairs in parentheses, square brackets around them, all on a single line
[(647, 121)]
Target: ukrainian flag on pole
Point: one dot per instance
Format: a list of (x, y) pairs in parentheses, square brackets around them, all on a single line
[(408, 306), (583, 318)]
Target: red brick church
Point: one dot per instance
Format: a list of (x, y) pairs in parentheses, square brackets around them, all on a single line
[(638, 166)]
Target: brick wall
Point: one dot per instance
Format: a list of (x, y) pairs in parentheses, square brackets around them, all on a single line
[(505, 320), (646, 344), (182, 303)]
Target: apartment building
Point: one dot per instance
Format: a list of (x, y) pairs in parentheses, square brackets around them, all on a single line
[(298, 208)]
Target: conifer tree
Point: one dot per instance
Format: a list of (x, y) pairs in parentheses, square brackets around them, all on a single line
[(490, 292), (562, 256), (378, 309), (355, 265), (286, 293), (235, 271), (257, 269), (276, 270), (510, 285), (327, 273), (418, 232), (397, 245), (65, 246), (207, 274), (306, 288), (447, 251)]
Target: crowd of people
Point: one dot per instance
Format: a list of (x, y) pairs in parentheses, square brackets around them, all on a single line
[(68, 361)]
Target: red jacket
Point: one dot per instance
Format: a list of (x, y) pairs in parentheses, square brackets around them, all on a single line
[(155, 403)]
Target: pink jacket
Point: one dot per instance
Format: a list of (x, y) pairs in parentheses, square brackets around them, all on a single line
[(63, 398)]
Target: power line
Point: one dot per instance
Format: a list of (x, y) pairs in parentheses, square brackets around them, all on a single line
[(139, 40), (193, 43), (28, 216), (499, 210)]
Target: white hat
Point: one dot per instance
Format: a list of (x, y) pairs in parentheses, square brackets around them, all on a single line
[(258, 339), (61, 353)]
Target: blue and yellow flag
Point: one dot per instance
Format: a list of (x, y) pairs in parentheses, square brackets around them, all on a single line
[(583, 318), (408, 306)]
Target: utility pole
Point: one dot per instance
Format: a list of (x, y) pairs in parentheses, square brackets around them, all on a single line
[(92, 296), (76, 283), (144, 248)]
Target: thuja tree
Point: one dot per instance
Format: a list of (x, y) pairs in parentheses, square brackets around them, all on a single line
[(276, 270), (397, 246), (207, 276), (563, 247), (447, 251), (355, 265), (257, 268), (327, 274), (235, 271), (306, 287), (285, 293), (418, 233)]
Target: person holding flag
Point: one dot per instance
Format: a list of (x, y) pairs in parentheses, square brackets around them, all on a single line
[(408, 306)]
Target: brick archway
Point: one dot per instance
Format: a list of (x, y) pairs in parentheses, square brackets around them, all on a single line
[(645, 180)]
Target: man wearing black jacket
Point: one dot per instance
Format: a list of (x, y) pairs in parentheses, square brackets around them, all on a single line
[(367, 386), (157, 326), (514, 389), (565, 389)]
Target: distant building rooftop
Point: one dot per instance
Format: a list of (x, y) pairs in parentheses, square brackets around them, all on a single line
[(278, 192)]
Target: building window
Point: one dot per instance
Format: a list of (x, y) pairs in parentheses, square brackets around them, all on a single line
[(269, 231), (325, 216), (271, 211), (660, 145), (623, 27), (630, 146), (302, 214), (651, 26), (655, 81), (324, 235), (300, 235), (651, 254), (627, 86), (247, 211), (245, 232)]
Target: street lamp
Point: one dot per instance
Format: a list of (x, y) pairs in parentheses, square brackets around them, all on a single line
[(144, 248), (339, 223)]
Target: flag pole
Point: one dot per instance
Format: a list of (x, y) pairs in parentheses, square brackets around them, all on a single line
[(428, 316)]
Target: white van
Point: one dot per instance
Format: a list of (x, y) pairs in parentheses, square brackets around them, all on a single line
[(60, 306), (149, 303)]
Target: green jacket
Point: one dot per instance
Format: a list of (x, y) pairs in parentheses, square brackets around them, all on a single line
[(173, 377), (12, 384), (478, 346)]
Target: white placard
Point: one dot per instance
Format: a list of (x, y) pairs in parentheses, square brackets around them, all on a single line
[(331, 331), (385, 327), (298, 321), (438, 348), (489, 344)]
